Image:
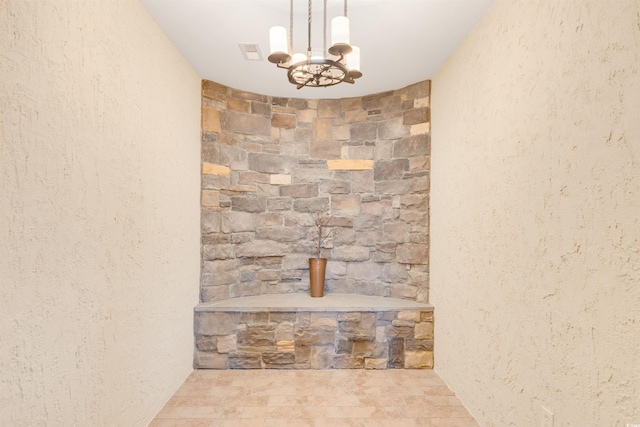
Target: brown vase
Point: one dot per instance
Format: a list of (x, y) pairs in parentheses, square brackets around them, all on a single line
[(317, 268)]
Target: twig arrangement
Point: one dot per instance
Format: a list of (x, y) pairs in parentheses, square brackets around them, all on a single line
[(320, 233)]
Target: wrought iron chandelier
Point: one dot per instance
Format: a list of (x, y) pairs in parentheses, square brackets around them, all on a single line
[(316, 68)]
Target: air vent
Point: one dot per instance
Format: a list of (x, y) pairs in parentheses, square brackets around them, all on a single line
[(250, 51)]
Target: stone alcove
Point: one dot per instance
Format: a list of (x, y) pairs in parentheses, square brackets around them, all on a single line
[(269, 164)]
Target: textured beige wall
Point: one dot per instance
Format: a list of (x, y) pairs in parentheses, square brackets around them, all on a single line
[(535, 246), (99, 219)]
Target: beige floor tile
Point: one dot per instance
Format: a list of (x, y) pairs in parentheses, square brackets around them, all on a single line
[(335, 398)]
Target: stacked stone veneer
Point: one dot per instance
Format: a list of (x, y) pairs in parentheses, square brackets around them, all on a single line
[(314, 340), (269, 164)]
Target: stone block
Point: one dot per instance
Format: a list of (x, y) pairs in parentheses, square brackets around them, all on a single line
[(364, 271), (412, 316), (420, 129), (247, 124), (284, 331), (392, 129), (416, 91), (318, 204), (298, 103), (415, 116), (238, 105), (226, 343), (364, 329), (341, 361), (412, 253), (282, 316), (323, 321), (261, 248), (396, 354), (245, 360), (343, 345), (210, 222), (210, 119), (248, 204), (280, 234), (261, 108), (418, 359), (206, 343), (345, 205), (366, 152), (279, 203), (279, 179), (414, 345), (404, 291), (362, 181), (213, 169), (351, 104), (312, 337), (279, 358), (235, 221), (272, 163), (349, 316), (325, 149), (391, 331), (286, 346), (210, 198), (395, 273), (213, 293), (350, 165), (214, 323), (280, 120), (371, 363), (355, 116), (350, 253), (299, 190), (320, 357), (210, 360), (332, 186), (218, 252), (306, 116), (249, 179), (322, 129), (390, 169), (344, 236), (213, 90), (254, 317), (424, 330), (329, 108), (363, 348), (257, 336), (341, 133), (410, 146), (364, 131)]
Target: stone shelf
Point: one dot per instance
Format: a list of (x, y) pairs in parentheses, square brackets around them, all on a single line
[(294, 302)]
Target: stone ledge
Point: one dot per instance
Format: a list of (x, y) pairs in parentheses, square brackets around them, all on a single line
[(295, 302)]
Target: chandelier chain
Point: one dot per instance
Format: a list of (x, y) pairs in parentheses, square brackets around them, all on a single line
[(309, 29), (291, 27), (324, 28), (345, 8)]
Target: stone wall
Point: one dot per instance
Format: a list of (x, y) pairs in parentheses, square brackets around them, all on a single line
[(269, 165), (314, 340)]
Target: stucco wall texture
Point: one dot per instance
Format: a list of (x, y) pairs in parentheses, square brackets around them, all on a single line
[(99, 214), (535, 244)]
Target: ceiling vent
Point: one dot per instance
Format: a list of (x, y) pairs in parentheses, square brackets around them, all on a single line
[(250, 51)]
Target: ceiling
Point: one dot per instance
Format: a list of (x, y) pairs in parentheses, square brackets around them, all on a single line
[(401, 41)]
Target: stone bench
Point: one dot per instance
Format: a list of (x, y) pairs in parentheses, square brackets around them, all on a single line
[(295, 331)]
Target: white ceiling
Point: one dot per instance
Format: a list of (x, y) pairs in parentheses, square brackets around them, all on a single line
[(401, 41)]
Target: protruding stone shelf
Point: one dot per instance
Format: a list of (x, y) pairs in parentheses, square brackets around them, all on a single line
[(295, 331)]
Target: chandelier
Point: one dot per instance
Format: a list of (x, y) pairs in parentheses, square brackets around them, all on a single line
[(317, 68)]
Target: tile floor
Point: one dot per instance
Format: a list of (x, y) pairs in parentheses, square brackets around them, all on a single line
[(313, 398)]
